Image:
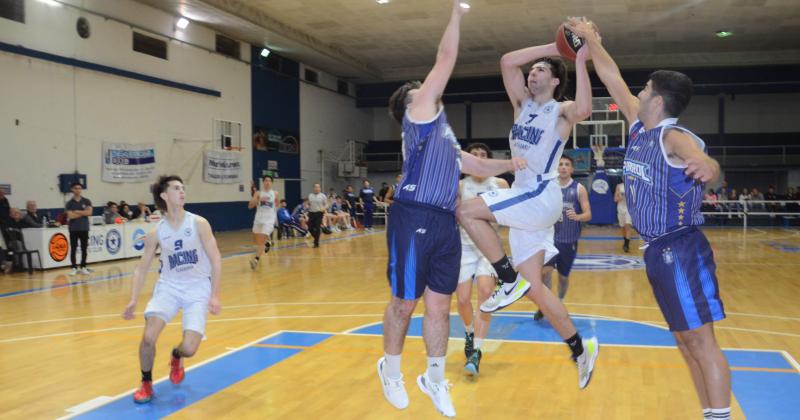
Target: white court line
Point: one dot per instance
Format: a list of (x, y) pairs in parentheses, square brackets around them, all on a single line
[(123, 394), (791, 360)]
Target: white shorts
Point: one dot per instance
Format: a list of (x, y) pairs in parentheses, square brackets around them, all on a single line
[(623, 216), (474, 264), (192, 298), (264, 228), (530, 215)]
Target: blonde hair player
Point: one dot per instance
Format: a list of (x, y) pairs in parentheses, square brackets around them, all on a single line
[(188, 280)]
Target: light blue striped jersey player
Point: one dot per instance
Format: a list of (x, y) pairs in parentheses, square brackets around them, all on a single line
[(660, 196), (534, 137), (567, 230), (431, 163)]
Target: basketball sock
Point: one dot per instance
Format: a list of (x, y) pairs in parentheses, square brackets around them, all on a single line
[(721, 413), (257, 258), (392, 366), (505, 272), (436, 369), (706, 414), (175, 353), (147, 376), (627, 241), (576, 345), (469, 328), (478, 342)]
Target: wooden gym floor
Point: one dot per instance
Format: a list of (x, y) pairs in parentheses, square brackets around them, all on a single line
[(300, 336)]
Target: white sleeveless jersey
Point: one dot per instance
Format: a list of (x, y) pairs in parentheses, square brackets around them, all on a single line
[(183, 258), (621, 204), (472, 189), (265, 210), (534, 137)]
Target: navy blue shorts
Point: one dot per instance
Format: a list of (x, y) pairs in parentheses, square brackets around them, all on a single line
[(424, 250), (682, 272), (565, 258)]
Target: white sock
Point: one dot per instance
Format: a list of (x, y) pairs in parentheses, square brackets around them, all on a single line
[(706, 414), (477, 343), (721, 413), (469, 328), (436, 369), (392, 366)]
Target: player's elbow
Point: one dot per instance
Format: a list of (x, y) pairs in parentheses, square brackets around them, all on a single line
[(507, 61)]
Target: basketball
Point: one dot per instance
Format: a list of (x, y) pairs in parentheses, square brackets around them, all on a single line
[(567, 43)]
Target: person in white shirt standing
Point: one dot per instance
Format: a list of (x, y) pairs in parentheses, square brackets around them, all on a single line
[(317, 202), (623, 217), (265, 201), (188, 280)]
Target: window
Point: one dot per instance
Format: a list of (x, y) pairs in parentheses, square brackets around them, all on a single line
[(149, 45), (311, 76), (228, 46), (342, 87), (13, 9)]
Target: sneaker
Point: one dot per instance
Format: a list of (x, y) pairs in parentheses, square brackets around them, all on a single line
[(393, 389), (144, 394), (591, 348), (626, 247), (84, 271), (501, 298), (73, 272), (473, 363), (469, 343), (538, 315), (267, 247), (176, 372), (253, 263), (439, 393)]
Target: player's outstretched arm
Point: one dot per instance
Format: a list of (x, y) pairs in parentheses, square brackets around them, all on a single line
[(606, 68), (581, 108), (514, 78), (483, 168), (424, 102), (699, 165), (139, 273), (210, 246)]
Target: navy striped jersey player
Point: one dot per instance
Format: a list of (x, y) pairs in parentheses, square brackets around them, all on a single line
[(431, 163), (660, 196), (567, 230)]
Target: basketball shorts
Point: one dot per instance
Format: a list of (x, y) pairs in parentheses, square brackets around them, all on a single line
[(565, 258), (681, 269), (530, 216), (474, 264), (264, 226), (191, 297), (424, 246), (623, 217)]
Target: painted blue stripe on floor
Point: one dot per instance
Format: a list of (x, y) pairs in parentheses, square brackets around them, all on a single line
[(206, 380), (767, 395), (605, 238), (290, 338), (757, 359)]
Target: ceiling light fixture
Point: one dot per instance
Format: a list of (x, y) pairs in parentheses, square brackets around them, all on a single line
[(265, 52), (51, 3), (382, 1), (464, 4), (182, 23), (724, 34)]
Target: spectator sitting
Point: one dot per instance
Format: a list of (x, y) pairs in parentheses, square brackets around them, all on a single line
[(711, 198), (5, 208), (342, 216), (110, 214), (286, 220), (142, 211), (300, 214), (125, 211), (771, 196), (32, 218), (12, 235), (756, 195), (383, 191)]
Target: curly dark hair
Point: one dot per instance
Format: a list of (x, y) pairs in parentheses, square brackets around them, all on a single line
[(400, 100)]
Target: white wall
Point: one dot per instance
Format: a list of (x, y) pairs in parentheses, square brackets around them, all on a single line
[(327, 121), (66, 113)]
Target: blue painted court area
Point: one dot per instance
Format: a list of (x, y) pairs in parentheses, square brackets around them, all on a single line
[(208, 379), (783, 246), (764, 383)]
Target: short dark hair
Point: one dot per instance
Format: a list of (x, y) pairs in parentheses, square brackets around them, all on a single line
[(111, 203), (559, 70), (674, 87), (267, 176), (283, 200), (399, 100), (472, 146), (160, 186), (75, 183), (569, 158)]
